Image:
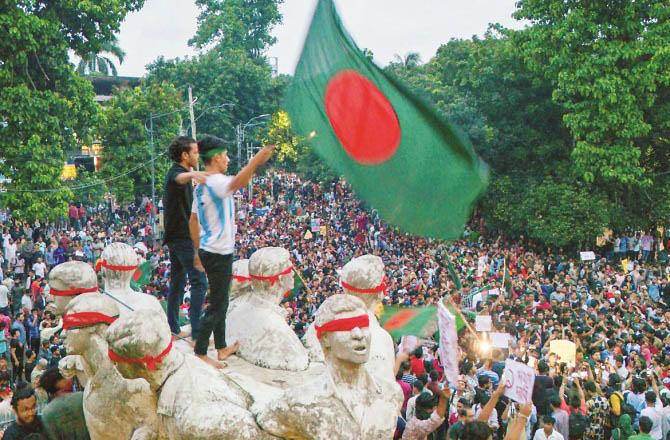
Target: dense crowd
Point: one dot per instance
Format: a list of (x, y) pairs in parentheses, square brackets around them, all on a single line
[(613, 308)]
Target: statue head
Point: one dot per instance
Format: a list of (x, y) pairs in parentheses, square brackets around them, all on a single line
[(86, 315), (364, 278), (341, 325), (118, 263), (271, 272), (68, 280), (140, 345), (241, 283)]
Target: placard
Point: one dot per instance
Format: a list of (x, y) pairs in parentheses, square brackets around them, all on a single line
[(500, 340), (483, 323), (587, 256), (519, 380), (565, 351)]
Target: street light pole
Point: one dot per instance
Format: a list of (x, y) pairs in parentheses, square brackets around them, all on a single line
[(153, 175)]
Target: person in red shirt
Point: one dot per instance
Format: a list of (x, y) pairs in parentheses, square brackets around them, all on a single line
[(418, 368)]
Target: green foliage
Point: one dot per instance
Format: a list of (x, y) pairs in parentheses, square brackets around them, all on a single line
[(126, 137), (237, 24), (279, 133), (229, 78), (44, 106), (608, 63), (88, 188), (560, 214)]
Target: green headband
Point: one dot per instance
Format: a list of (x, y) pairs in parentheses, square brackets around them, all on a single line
[(213, 152)]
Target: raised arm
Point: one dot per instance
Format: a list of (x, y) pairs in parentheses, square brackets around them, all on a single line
[(244, 176)]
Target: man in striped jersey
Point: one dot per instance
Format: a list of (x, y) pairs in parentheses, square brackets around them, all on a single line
[(212, 228)]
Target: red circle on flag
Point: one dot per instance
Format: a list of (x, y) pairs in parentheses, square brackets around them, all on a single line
[(362, 117)]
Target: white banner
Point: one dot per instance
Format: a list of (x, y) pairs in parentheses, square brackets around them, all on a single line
[(483, 323), (587, 256), (448, 349), (519, 380), (500, 340)]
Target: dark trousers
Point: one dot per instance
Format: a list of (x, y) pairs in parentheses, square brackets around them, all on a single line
[(181, 265), (219, 269)]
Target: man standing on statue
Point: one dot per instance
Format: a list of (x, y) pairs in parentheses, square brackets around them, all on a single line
[(212, 227), (177, 200)]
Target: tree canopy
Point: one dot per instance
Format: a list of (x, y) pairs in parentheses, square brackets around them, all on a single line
[(45, 106)]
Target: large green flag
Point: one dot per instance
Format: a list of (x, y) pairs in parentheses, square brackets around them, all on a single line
[(395, 150)]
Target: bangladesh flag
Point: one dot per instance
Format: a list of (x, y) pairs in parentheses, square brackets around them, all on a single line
[(396, 151), (409, 321), (142, 276), (297, 287)]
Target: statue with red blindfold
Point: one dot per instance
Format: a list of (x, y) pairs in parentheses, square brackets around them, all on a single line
[(258, 322), (345, 401)]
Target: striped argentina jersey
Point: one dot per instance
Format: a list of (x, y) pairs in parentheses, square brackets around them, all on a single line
[(214, 206)]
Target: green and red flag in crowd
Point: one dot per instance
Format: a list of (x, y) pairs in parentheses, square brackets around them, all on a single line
[(409, 321), (395, 150), (297, 287), (142, 276)]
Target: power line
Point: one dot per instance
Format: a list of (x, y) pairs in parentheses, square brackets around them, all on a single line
[(90, 185)]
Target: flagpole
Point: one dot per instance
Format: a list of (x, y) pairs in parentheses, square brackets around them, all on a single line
[(297, 272), (504, 272), (458, 310)]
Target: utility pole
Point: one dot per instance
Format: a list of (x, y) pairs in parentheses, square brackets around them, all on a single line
[(191, 112), (238, 138), (153, 175), (251, 181), (192, 115)]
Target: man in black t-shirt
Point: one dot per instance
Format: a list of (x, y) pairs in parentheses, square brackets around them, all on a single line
[(177, 200), (28, 424)]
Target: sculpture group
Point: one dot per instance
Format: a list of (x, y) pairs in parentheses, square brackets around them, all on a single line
[(140, 383)]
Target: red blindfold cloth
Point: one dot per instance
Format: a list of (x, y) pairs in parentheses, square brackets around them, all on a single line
[(342, 325)]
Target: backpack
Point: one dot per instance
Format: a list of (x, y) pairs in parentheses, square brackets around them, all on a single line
[(578, 423), (626, 408)]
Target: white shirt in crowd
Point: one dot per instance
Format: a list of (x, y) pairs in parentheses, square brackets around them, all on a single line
[(26, 302), (39, 269), (540, 435), (214, 206), (4, 296), (659, 428)]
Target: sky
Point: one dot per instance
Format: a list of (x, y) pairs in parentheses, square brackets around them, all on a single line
[(386, 27)]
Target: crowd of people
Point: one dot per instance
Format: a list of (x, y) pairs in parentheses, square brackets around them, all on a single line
[(613, 308)]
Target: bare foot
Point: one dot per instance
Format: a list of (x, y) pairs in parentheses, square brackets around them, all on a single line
[(184, 334), (208, 360), (223, 353)]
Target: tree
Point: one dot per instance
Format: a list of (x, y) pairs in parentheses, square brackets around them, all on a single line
[(88, 188), (127, 153), (229, 78), (409, 61), (44, 105), (237, 24), (94, 62), (280, 134), (607, 63)]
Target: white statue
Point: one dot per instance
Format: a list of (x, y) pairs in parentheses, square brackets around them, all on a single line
[(345, 402), (257, 321), (363, 277), (67, 280), (114, 408), (118, 263), (241, 283), (195, 401)]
